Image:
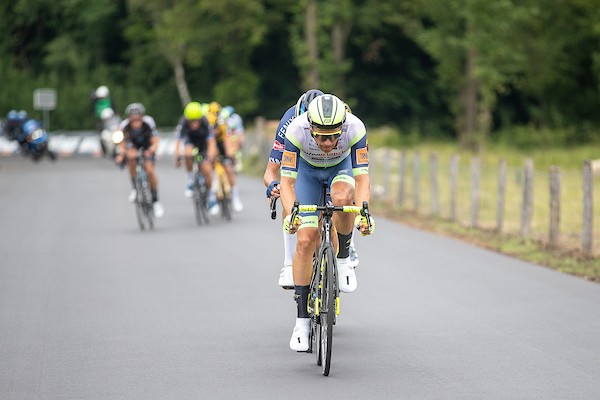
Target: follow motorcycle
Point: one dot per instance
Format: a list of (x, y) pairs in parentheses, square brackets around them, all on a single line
[(110, 136), (36, 141)]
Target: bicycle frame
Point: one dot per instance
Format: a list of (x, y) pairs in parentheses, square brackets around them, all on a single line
[(200, 196), (324, 301), (223, 189), (143, 201)]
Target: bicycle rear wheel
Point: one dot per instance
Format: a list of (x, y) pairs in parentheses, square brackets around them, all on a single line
[(226, 204), (327, 303)]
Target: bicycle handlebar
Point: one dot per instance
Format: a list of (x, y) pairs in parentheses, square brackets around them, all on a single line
[(364, 210), (273, 207), (314, 207)]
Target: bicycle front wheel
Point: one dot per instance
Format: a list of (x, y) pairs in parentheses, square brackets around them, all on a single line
[(200, 203), (139, 204), (327, 303)]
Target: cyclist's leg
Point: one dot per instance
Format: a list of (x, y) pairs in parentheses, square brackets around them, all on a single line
[(342, 194), (207, 170), (188, 162), (308, 191), (131, 159), (150, 170)]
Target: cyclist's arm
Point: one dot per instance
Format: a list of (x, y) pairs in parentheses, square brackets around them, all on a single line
[(289, 173), (212, 149), (360, 169), (271, 173), (227, 144), (363, 189), (288, 194), (154, 140), (178, 137), (177, 148)]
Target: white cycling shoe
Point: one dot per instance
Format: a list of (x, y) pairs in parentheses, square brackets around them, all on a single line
[(286, 277), (346, 275), (237, 204), (353, 256), (132, 196), (300, 335), (158, 209), (214, 210), (189, 191)]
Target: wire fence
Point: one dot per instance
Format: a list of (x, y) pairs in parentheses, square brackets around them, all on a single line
[(555, 207)]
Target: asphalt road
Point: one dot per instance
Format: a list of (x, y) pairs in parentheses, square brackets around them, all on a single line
[(92, 308)]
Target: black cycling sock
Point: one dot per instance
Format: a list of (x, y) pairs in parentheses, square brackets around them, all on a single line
[(344, 245), (154, 196), (301, 297), (133, 182)]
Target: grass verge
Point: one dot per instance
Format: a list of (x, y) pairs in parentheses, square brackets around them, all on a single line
[(568, 261)]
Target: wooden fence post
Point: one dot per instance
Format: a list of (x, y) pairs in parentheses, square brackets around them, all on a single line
[(475, 179), (386, 173), (501, 195), (373, 168), (433, 177), (416, 177), (527, 205), (453, 185), (588, 208), (554, 234), (402, 178)]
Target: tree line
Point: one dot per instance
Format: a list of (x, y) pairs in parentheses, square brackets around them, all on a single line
[(473, 70)]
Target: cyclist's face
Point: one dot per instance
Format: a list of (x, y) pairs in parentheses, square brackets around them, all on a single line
[(135, 121), (326, 138), (194, 123)]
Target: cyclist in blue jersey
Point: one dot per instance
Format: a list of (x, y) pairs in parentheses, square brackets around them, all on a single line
[(326, 144), (271, 179)]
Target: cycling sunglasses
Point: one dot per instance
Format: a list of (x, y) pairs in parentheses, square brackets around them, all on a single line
[(323, 137)]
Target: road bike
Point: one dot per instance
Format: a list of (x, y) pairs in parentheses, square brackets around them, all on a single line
[(201, 192), (223, 189), (324, 293), (143, 200)]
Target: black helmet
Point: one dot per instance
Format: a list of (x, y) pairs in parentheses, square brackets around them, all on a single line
[(305, 99)]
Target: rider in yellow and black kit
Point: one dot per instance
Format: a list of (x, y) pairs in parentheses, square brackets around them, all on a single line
[(219, 130)]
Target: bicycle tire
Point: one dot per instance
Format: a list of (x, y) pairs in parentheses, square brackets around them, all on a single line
[(226, 204), (139, 204), (313, 308), (328, 302), (147, 198), (200, 202)]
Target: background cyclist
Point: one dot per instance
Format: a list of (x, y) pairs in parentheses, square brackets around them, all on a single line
[(236, 133), (324, 144), (219, 130), (139, 132), (271, 179), (194, 131)]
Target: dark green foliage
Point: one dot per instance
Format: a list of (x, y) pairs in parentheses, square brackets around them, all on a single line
[(538, 60)]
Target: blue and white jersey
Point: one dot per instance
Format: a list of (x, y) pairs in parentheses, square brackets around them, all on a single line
[(299, 143), (235, 124), (278, 143)]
